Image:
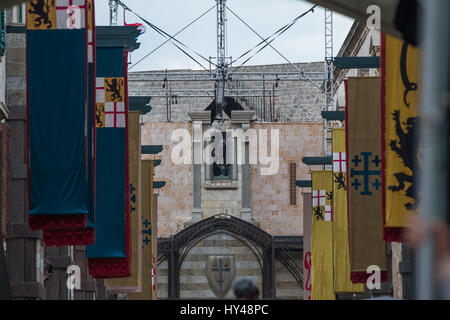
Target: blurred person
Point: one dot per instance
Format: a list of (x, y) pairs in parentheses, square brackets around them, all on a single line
[(415, 232), (245, 289)]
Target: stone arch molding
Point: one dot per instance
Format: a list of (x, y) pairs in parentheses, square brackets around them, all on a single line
[(261, 243)]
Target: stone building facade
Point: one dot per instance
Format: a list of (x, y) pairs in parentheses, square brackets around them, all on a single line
[(269, 203), (269, 195)]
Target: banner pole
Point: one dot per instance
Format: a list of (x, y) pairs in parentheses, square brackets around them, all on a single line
[(433, 184)]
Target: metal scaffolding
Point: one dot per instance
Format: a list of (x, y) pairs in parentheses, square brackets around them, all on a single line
[(329, 83), (113, 11)]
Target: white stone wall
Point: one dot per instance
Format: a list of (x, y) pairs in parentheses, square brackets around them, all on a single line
[(269, 194), (175, 199)]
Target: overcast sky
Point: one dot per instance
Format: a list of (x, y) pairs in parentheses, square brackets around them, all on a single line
[(304, 42)]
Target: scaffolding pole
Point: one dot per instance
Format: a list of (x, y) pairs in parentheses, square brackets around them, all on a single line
[(434, 101), (113, 11), (328, 84)]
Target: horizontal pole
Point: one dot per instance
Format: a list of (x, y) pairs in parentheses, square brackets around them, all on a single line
[(303, 183), (356, 62), (316, 161), (158, 184), (151, 149), (333, 115)]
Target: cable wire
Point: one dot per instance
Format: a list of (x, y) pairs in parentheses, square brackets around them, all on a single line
[(281, 55), (187, 26), (166, 35), (277, 33)]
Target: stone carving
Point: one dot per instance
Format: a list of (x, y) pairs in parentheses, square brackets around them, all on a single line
[(220, 272)]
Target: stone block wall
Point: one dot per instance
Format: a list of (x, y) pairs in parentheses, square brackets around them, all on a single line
[(269, 194), (296, 101), (193, 279), (286, 285), (175, 198)]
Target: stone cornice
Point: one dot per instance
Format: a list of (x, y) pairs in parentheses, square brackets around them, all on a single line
[(203, 116), (242, 116), (113, 36)]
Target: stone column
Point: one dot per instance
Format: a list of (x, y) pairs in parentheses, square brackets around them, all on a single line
[(56, 284), (243, 118), (24, 248), (198, 119)]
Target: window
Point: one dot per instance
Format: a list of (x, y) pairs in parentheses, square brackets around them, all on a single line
[(21, 13), (292, 186), (221, 171)]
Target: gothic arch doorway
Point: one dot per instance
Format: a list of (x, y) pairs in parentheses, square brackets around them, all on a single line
[(264, 246)]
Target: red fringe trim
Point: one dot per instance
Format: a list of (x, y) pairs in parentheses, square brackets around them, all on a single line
[(361, 277), (104, 268), (71, 237), (53, 221), (393, 234)]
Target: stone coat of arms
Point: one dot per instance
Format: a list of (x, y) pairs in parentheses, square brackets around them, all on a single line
[(220, 272)]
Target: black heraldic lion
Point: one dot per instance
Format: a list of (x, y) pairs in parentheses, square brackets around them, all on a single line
[(406, 148), (114, 87), (41, 8)]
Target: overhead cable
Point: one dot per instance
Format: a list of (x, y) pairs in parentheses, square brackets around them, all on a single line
[(166, 35), (281, 55), (187, 26), (276, 34)]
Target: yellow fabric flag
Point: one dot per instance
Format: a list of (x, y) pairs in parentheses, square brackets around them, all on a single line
[(321, 237), (146, 244), (341, 257), (132, 283), (41, 15), (400, 70)]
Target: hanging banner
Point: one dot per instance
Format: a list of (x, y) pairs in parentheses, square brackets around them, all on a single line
[(147, 205), (132, 283), (321, 236), (363, 137), (400, 64), (341, 258), (57, 113), (109, 256), (307, 224), (83, 235), (154, 245)]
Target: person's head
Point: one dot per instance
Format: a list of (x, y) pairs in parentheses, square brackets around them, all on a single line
[(245, 289)]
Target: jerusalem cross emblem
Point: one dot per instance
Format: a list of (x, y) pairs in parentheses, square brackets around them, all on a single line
[(364, 168)]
